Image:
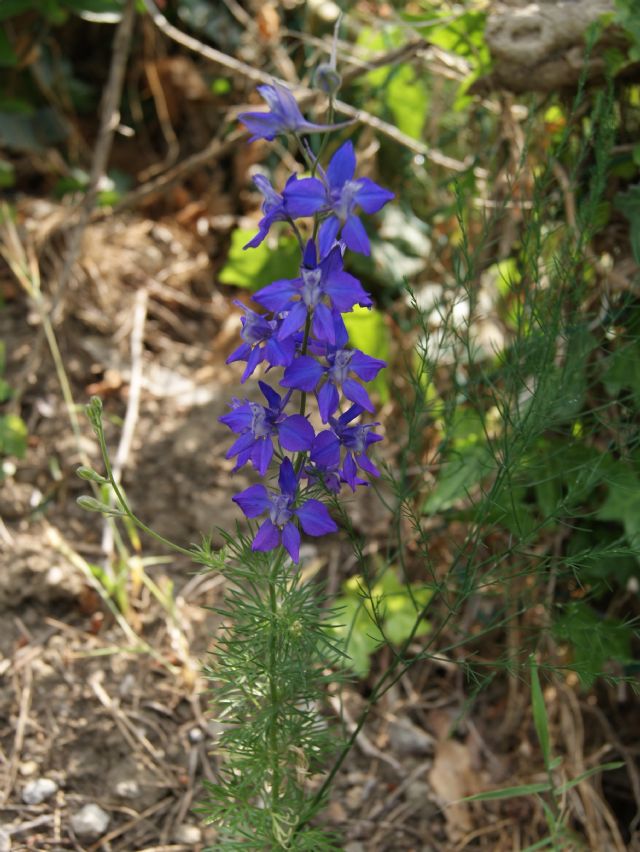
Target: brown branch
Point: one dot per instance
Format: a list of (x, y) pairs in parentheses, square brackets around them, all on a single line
[(306, 95), (109, 120)]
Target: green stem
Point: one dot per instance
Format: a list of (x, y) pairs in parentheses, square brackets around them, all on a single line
[(274, 694)]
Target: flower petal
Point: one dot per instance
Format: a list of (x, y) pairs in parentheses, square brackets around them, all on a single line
[(304, 197), (323, 325), (356, 393), (370, 196), (328, 400), (345, 291), (325, 451), (315, 518), (294, 320), (272, 396), (275, 297), (355, 236), (252, 362), (253, 500), (267, 537), (287, 479), (262, 454), (291, 541), (365, 366), (327, 235), (342, 166), (303, 373), (296, 433), (262, 125)]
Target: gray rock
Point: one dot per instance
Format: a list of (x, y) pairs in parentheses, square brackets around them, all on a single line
[(407, 739), (91, 821), (38, 791)]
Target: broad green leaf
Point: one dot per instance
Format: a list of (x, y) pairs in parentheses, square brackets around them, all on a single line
[(622, 370), (465, 469), (594, 639), (390, 604), (369, 333), (539, 713), (10, 8), (8, 56), (7, 174), (623, 502), (13, 435), (256, 267)]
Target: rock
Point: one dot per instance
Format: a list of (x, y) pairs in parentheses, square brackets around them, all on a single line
[(5, 841), (127, 788), (91, 821), (196, 735), (38, 791), (406, 738), (187, 834)]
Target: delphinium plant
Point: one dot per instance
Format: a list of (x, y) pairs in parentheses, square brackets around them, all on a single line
[(275, 654)]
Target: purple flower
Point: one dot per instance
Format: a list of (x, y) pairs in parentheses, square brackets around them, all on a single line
[(258, 425), (305, 373), (356, 440), (343, 195), (319, 284), (277, 208), (260, 342), (279, 526), (284, 116)]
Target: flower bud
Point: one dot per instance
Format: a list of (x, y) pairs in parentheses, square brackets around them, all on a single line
[(327, 79)]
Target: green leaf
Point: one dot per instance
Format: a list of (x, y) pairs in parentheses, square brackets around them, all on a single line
[(465, 469), (13, 435), (594, 640), (11, 8), (628, 203), (510, 792), (257, 267), (605, 767), (8, 57), (369, 333), (7, 174), (622, 370), (623, 502), (539, 713)]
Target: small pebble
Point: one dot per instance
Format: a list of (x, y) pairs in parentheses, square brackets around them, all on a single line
[(5, 841), (29, 767), (91, 821), (187, 834), (36, 792), (128, 788), (196, 735)]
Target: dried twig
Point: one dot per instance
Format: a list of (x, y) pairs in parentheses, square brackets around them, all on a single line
[(109, 120), (307, 95), (133, 405), (21, 726)]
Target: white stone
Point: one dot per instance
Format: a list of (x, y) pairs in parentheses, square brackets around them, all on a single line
[(91, 821), (187, 834), (38, 791)]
